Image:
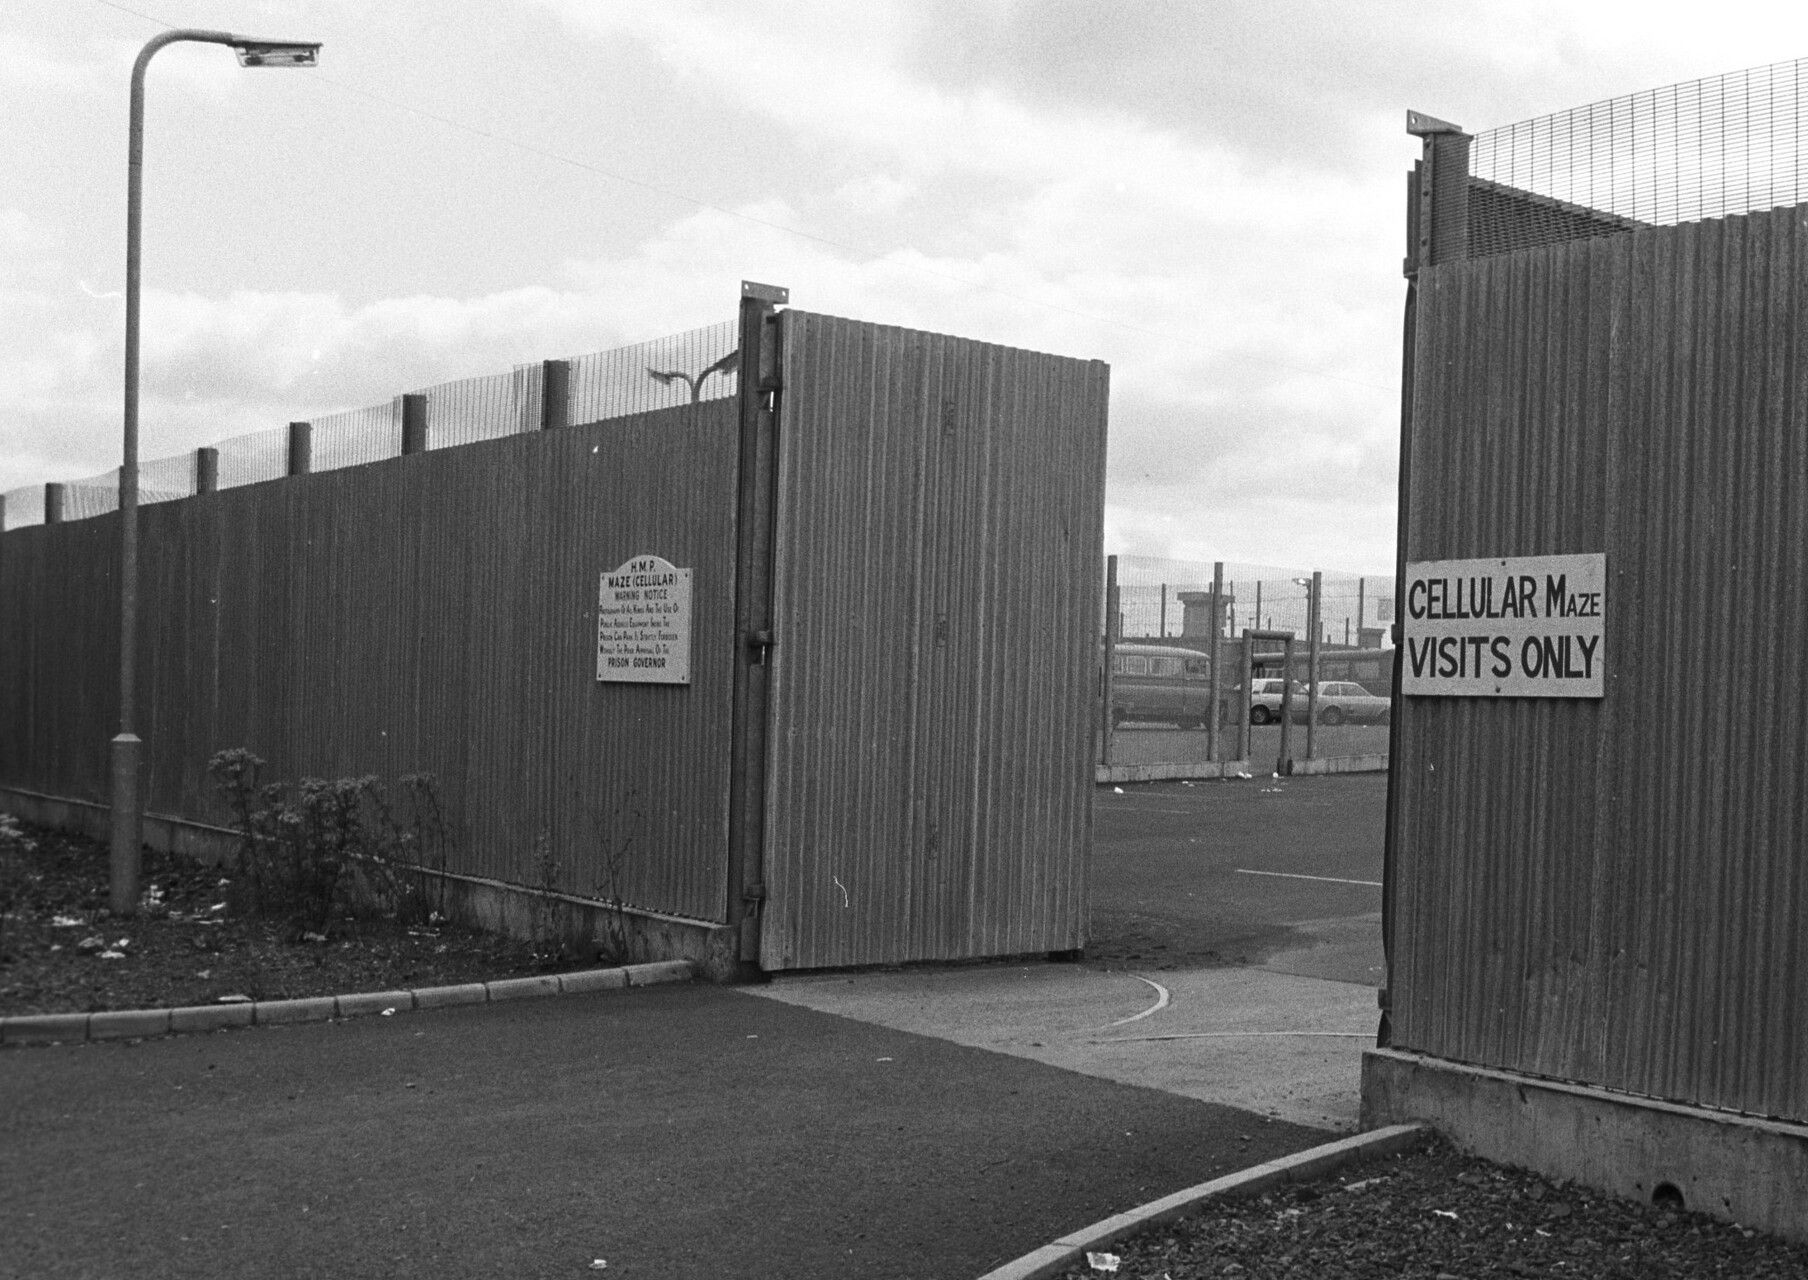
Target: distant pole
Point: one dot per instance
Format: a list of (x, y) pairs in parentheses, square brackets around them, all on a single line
[(1163, 632), (1312, 611), (1249, 685), (1211, 718), (1112, 623), (1283, 764), (1361, 585)]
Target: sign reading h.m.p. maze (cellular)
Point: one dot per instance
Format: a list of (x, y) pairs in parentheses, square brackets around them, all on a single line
[(1512, 627), (643, 623)]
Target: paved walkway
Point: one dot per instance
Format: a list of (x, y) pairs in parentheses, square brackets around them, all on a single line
[(1280, 1044)]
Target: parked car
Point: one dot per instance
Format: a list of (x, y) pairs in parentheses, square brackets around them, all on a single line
[(1340, 701), (1265, 700)]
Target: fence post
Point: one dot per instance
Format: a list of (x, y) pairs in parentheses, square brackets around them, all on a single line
[(301, 448), (1249, 680), (1211, 720), (756, 500), (1283, 764), (1111, 629), (53, 503), (207, 470), (414, 422), (1163, 632), (555, 394), (1312, 621)]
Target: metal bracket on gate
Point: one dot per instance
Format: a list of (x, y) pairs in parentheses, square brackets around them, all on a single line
[(759, 646)]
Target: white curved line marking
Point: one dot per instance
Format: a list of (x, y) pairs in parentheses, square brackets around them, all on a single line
[(1161, 1002), (1294, 875), (1236, 1035)]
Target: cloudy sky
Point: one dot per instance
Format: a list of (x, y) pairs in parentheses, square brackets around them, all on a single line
[(1206, 195)]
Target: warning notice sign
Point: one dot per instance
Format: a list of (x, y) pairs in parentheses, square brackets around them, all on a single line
[(643, 623), (1515, 627)]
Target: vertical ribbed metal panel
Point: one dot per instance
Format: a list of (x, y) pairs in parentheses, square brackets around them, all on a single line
[(938, 539), (431, 613), (1611, 890)]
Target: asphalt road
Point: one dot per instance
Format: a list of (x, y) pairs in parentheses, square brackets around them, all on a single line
[(672, 1132), (1276, 872), (695, 1131)]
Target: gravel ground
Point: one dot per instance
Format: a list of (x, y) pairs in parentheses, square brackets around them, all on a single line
[(1436, 1214), (62, 951)]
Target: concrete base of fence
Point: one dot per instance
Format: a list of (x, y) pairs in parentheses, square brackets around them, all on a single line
[(1173, 772), (196, 840), (627, 934), (1374, 763), (1194, 770), (1737, 1167)]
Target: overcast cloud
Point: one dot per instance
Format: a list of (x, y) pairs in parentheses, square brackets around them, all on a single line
[(1207, 196)]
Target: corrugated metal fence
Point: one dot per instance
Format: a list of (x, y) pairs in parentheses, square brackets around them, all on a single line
[(1613, 890), (940, 518), (433, 613), (939, 514)]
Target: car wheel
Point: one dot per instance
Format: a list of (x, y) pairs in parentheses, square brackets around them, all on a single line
[(1259, 715), (1330, 715)]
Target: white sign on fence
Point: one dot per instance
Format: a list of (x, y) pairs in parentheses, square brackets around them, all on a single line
[(1513, 627), (643, 623)]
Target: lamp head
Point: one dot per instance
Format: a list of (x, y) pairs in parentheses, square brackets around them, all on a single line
[(277, 53)]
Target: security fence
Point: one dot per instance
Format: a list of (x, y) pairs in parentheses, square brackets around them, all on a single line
[(683, 368), (1703, 149), (1186, 637)]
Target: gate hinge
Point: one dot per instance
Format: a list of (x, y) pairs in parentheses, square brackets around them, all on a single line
[(753, 893), (759, 646)]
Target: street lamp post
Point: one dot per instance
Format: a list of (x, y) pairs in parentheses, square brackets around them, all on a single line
[(126, 749)]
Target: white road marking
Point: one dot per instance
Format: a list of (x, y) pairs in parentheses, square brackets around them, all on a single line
[(1291, 875), (1235, 1035), (1161, 1002)]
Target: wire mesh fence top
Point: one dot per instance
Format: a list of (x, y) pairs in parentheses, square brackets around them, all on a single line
[(1711, 148), (682, 368), (1162, 598)]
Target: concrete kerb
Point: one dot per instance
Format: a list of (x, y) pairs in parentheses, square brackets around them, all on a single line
[(1206, 771), (139, 1024), (1052, 1258)]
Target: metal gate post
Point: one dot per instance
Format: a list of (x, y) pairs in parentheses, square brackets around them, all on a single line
[(756, 510), (1283, 764)]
